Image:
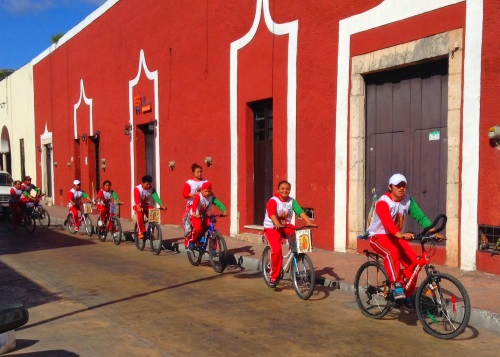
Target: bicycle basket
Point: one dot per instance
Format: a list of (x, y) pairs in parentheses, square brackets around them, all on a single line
[(154, 215), (87, 208), (303, 239)]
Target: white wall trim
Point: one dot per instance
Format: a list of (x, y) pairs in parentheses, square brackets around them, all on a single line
[(153, 76), (88, 101), (387, 12), (290, 29)]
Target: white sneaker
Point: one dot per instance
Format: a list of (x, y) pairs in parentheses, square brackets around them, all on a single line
[(115, 235)]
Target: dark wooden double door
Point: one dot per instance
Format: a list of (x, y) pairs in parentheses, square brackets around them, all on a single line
[(406, 131)]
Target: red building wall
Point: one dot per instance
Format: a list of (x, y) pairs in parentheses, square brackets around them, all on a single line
[(189, 47)]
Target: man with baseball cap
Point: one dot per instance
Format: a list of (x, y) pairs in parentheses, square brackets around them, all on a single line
[(386, 233)]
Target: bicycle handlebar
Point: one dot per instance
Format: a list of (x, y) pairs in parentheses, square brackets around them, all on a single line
[(434, 224), (291, 226)]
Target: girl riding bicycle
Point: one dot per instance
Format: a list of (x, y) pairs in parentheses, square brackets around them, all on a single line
[(105, 197), (279, 212)]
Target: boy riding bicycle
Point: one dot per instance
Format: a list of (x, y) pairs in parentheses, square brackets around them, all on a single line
[(279, 212), (200, 208), (142, 202), (75, 196), (386, 232)]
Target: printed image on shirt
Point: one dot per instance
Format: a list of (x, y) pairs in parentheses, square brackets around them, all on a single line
[(399, 221), (282, 216)]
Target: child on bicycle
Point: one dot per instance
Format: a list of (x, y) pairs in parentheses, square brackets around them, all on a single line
[(142, 202), (200, 209), (105, 197), (190, 189), (279, 212), (386, 232), (75, 196), (16, 201), (27, 186)]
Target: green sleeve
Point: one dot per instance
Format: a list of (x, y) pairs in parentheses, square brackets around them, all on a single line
[(115, 196), (84, 195), (296, 208), (417, 214), (156, 197), (25, 193), (219, 204)]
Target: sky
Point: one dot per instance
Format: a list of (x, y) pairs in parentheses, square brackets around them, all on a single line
[(27, 26)]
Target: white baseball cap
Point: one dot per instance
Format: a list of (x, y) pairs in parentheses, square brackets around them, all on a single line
[(76, 182), (396, 179)]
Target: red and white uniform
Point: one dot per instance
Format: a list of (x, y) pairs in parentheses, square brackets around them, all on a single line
[(104, 199), (390, 218), (142, 198), (191, 186), (75, 201), (16, 203), (283, 210), (200, 206)]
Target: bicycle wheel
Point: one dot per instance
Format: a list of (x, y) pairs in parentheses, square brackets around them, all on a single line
[(70, 223), (372, 290), (29, 223), (102, 232), (217, 252), (265, 266), (87, 222), (195, 255), (443, 306), (116, 230), (155, 238), (43, 217), (9, 222), (303, 278), (139, 243)]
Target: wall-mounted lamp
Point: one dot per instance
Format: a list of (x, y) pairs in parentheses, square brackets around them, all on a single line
[(494, 135), (84, 137), (171, 164), (152, 125), (128, 129), (208, 161), (55, 163), (39, 149), (103, 163)]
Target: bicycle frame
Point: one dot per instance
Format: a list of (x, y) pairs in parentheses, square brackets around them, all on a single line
[(205, 239)]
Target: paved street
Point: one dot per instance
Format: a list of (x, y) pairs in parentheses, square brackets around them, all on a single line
[(88, 298)]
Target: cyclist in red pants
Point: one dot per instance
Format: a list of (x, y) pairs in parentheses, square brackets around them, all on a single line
[(142, 202), (17, 202), (386, 232), (75, 196), (105, 197), (279, 211), (200, 208)]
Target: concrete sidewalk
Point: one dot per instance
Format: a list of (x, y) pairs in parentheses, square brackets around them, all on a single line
[(331, 268)]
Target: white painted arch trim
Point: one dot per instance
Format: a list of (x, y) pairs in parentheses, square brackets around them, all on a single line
[(87, 101), (152, 76), (290, 29), (387, 12)]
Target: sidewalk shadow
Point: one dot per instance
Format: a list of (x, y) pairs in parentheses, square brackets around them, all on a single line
[(329, 273), (248, 249)]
